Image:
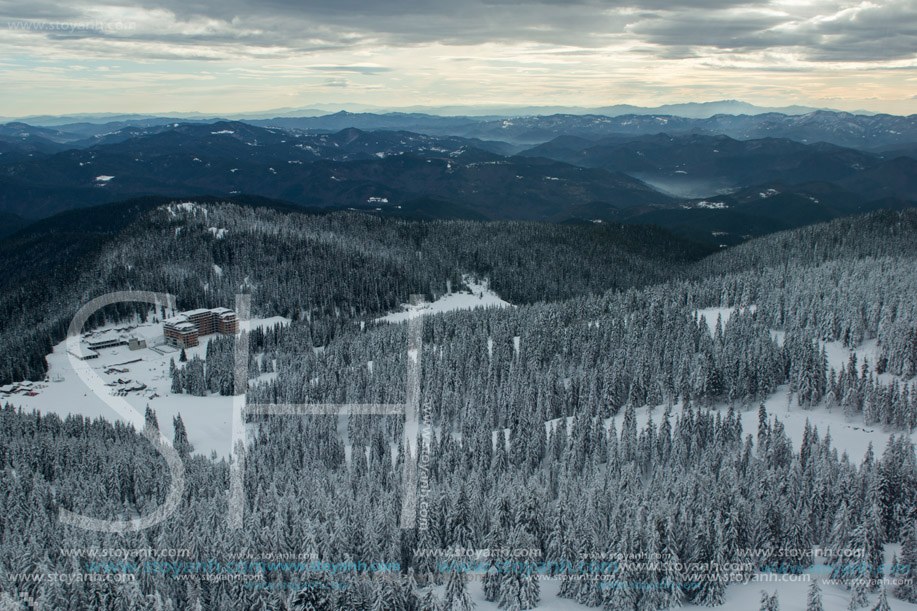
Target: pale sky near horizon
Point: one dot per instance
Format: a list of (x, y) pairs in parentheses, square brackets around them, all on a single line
[(232, 56)]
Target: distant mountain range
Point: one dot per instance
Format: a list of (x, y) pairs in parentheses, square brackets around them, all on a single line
[(695, 165), (348, 169), (868, 132), (697, 110), (874, 132), (717, 180)]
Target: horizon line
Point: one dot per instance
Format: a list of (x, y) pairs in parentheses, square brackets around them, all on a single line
[(484, 110)]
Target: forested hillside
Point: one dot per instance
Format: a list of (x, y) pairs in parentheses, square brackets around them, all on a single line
[(600, 419), (325, 269)]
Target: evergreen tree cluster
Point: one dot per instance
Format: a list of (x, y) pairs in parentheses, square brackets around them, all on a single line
[(212, 374)]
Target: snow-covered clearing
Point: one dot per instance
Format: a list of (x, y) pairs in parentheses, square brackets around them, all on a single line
[(186, 207), (848, 435), (480, 296), (711, 314), (208, 420)]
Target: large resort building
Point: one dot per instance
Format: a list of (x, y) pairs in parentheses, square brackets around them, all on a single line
[(183, 331)]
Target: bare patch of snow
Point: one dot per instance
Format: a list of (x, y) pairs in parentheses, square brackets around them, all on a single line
[(710, 315), (711, 205), (480, 296)]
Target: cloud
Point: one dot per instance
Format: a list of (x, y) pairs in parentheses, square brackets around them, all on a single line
[(864, 32), (818, 29), (545, 51), (851, 31), (294, 24), (732, 29), (867, 31), (358, 68)]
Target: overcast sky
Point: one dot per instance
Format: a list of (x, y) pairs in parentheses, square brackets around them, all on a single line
[(66, 56)]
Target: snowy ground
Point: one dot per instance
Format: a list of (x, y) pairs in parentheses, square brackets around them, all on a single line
[(208, 420), (711, 314), (479, 295), (550, 601), (792, 595), (849, 435)]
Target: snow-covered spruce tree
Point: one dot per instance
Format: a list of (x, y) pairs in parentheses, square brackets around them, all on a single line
[(180, 438), (859, 588), (178, 383), (839, 542), (429, 602), (456, 596), (492, 581), (496, 539), (387, 596), (869, 536), (519, 587), (882, 603), (769, 602), (151, 422), (907, 589), (710, 556), (671, 579), (814, 598)]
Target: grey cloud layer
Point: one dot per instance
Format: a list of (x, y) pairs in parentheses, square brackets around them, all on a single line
[(863, 31)]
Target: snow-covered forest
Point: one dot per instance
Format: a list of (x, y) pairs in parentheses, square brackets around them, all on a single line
[(325, 269), (587, 444)]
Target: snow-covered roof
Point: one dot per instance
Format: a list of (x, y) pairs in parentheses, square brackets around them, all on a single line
[(197, 312)]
